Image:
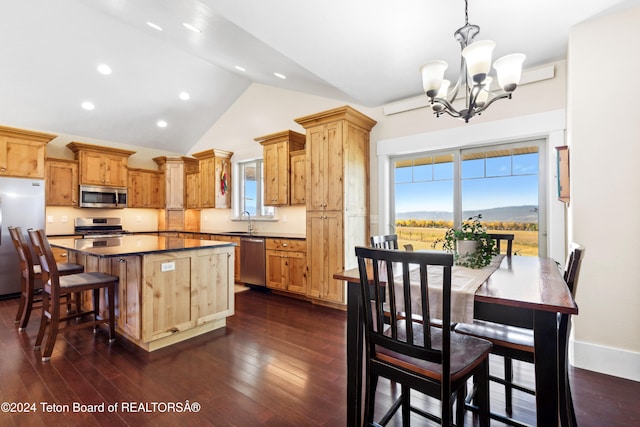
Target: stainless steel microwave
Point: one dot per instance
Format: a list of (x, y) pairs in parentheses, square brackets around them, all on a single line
[(103, 197)]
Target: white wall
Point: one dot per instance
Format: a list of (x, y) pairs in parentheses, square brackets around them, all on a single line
[(604, 215)]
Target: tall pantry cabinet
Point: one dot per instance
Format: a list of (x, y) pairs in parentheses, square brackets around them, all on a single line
[(337, 195)]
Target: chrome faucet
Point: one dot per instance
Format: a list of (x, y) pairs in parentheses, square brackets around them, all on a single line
[(251, 227)]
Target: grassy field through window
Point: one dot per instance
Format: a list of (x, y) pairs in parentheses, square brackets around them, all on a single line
[(525, 242)]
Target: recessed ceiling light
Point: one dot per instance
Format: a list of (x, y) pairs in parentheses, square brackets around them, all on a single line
[(191, 27), (88, 105), (161, 124), (184, 96), (154, 26), (239, 68), (104, 69), (280, 76)]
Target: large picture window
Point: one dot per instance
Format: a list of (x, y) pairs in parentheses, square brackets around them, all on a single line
[(435, 191)]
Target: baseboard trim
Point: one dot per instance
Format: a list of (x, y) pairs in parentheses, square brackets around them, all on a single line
[(606, 360)]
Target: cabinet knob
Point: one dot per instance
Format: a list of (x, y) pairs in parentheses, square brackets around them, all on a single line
[(285, 245)]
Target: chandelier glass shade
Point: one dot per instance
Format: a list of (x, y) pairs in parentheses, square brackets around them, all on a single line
[(474, 79)]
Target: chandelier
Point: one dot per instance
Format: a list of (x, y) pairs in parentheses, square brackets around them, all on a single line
[(475, 65)]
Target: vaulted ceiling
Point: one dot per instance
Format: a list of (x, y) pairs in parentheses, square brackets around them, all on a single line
[(366, 52)]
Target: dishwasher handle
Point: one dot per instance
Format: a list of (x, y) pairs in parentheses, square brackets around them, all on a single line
[(248, 239)]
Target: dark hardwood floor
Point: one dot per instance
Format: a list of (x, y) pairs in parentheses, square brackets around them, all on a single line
[(279, 362)]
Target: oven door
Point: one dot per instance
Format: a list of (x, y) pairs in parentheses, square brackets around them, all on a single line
[(103, 197)]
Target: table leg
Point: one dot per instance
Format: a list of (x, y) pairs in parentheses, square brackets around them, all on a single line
[(354, 355), (545, 332)]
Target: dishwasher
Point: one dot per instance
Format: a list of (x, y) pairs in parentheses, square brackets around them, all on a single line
[(252, 261)]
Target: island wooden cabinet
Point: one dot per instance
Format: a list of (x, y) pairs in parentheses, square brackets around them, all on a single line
[(215, 178), (101, 165), (286, 261), (61, 182), (236, 251), (184, 290), (22, 152), (277, 165), (128, 299), (146, 188), (298, 190), (337, 196)]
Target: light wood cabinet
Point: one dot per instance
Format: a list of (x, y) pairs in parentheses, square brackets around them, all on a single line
[(101, 165), (146, 188), (186, 289), (236, 250), (215, 178), (22, 152), (337, 196), (173, 168), (129, 295), (277, 165), (286, 262), (192, 184), (298, 190), (61, 182)]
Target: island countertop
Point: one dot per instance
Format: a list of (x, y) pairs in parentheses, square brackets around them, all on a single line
[(132, 245)]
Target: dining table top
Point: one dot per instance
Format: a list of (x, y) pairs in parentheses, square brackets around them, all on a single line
[(529, 282)]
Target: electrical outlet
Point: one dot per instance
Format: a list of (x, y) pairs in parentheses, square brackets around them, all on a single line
[(284, 218), (64, 219), (49, 218), (139, 218)]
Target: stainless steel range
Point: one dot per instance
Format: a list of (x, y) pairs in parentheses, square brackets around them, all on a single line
[(98, 227)]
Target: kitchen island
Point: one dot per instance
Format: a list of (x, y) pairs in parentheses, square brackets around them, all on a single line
[(170, 289)]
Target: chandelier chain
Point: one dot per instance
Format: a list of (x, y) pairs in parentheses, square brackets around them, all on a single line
[(466, 12)]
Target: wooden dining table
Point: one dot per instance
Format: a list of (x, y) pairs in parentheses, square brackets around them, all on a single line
[(524, 291)]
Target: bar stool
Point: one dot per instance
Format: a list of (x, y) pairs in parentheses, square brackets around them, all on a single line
[(30, 273), (55, 287)]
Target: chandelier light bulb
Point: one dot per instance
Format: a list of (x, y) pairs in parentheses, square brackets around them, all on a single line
[(478, 59), (509, 70), (432, 76)]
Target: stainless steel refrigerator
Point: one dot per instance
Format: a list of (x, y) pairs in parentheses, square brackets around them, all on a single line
[(21, 204)]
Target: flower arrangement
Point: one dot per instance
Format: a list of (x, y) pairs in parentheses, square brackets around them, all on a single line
[(473, 231)]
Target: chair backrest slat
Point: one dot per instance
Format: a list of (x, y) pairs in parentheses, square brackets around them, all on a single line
[(499, 237), (389, 241), (45, 255)]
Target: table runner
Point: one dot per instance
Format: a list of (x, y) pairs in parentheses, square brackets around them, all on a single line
[(464, 284)]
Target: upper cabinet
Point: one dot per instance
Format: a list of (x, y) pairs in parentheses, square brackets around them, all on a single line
[(173, 168), (61, 182), (146, 188), (101, 165), (191, 183), (215, 178), (277, 165), (22, 152), (297, 181)]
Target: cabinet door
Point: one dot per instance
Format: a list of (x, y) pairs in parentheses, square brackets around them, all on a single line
[(174, 180), (21, 158), (155, 190), (297, 179), (297, 269), (92, 169), (276, 174), (333, 183), (222, 186), (192, 192), (128, 298), (324, 171), (135, 190), (277, 271), (62, 183), (324, 255), (115, 170), (212, 285), (207, 183)]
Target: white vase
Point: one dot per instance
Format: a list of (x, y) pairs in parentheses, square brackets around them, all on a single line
[(466, 247)]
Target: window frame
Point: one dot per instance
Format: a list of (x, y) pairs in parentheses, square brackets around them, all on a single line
[(239, 206)]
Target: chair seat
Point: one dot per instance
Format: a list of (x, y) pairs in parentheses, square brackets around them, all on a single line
[(499, 334), (83, 279), (63, 268), (466, 353)]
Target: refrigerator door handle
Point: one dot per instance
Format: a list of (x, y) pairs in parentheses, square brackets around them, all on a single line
[(0, 221)]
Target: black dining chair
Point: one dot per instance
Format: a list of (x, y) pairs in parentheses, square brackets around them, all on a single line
[(508, 238), (434, 361), (517, 343), (388, 241)]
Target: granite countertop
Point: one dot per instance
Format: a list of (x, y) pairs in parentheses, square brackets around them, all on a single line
[(132, 245)]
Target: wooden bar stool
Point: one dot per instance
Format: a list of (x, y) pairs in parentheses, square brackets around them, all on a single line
[(30, 273), (55, 287)]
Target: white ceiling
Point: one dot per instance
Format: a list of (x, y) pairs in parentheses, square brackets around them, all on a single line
[(366, 52)]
